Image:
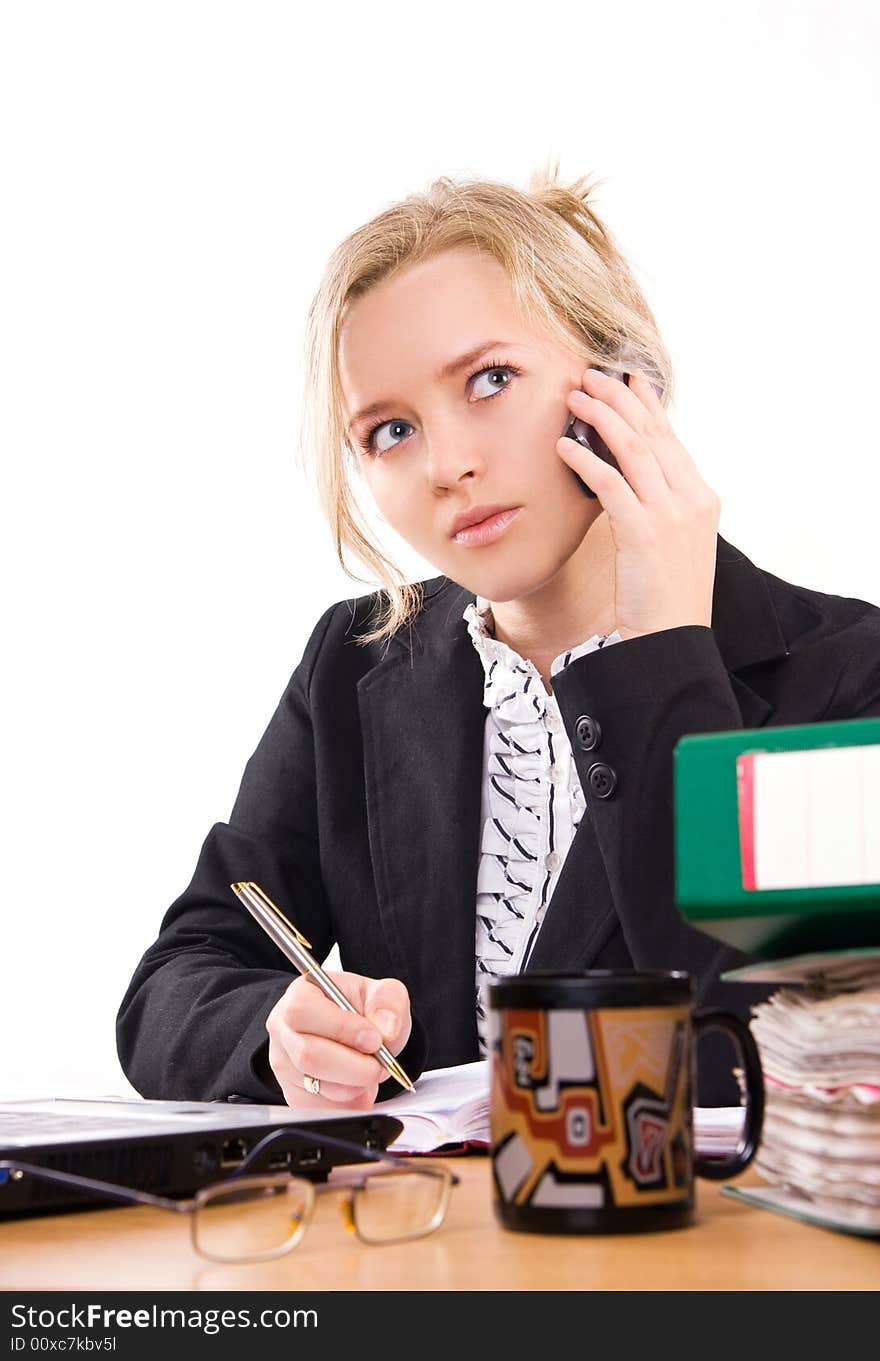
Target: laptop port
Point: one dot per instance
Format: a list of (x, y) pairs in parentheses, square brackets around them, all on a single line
[(309, 1157), (233, 1152), (205, 1159), (279, 1162)]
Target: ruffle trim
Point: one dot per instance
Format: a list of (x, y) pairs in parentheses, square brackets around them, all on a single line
[(512, 684), (523, 750)]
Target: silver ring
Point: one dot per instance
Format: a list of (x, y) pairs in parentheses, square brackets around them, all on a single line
[(312, 1084)]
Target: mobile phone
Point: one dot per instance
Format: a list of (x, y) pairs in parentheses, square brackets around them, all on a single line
[(589, 437)]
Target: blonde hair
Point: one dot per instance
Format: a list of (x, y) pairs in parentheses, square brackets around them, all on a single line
[(566, 273)]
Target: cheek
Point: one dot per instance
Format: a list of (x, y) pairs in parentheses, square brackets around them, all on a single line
[(389, 497), (535, 470), (528, 441), (396, 502)]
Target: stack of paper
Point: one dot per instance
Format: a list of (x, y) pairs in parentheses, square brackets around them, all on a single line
[(820, 1051)]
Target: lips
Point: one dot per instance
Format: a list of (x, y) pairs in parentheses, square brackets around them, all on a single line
[(468, 518), (489, 530)]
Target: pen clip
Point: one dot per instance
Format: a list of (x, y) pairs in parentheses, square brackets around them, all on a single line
[(267, 902)]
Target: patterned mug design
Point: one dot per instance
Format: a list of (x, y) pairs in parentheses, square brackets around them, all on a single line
[(592, 1114)]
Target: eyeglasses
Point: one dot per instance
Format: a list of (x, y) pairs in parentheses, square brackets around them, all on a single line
[(254, 1218)]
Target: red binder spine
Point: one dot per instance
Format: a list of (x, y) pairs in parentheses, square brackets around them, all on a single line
[(745, 786)]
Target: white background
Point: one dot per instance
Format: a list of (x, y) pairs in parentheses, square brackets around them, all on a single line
[(174, 176)]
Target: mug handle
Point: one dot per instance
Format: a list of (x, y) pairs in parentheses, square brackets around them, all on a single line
[(719, 1169)]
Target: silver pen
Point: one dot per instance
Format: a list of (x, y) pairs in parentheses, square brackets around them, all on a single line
[(293, 944)]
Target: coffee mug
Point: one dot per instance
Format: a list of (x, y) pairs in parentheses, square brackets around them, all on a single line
[(592, 1100)]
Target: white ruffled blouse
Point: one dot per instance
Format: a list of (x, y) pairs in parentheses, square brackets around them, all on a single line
[(532, 801)]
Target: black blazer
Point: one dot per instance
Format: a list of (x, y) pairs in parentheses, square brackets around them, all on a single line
[(359, 813)]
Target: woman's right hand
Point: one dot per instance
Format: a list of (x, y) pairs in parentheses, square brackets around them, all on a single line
[(309, 1035)]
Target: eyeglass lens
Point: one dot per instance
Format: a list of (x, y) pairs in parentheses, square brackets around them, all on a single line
[(251, 1221), (393, 1205)]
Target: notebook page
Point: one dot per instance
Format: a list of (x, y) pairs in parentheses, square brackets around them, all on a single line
[(449, 1105)]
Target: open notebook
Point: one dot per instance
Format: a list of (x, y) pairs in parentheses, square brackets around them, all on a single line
[(450, 1109)]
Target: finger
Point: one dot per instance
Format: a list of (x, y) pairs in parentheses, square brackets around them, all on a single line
[(386, 1003), (679, 468), (291, 1081), (626, 398), (328, 1060), (625, 510), (307, 1010), (635, 457), (369, 995), (644, 389), (354, 985)]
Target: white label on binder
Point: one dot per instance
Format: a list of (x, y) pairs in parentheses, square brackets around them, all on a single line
[(816, 817)]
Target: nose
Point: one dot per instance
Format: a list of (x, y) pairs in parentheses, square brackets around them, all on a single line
[(453, 455)]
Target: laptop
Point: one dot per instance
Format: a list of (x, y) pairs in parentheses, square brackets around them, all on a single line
[(169, 1148)]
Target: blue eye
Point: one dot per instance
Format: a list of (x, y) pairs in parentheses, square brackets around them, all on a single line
[(496, 369), (368, 443)]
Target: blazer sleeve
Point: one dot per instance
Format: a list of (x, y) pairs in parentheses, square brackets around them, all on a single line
[(645, 693), (191, 1025)]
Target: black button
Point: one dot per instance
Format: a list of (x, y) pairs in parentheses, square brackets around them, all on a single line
[(603, 780), (588, 732)]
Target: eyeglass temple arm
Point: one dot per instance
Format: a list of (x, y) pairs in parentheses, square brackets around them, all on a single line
[(104, 1188)]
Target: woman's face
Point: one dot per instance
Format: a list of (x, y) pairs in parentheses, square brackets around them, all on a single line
[(483, 434)]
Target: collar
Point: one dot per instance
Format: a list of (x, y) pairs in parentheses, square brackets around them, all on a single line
[(512, 683), (744, 618)]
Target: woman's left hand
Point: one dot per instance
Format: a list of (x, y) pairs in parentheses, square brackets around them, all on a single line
[(663, 517)]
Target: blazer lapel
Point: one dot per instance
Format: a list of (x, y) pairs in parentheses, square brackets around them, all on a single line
[(423, 723), (746, 627), (581, 914)]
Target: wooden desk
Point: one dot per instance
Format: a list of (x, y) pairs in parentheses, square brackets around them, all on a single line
[(730, 1247)]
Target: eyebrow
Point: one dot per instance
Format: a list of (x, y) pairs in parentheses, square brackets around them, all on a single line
[(448, 370)]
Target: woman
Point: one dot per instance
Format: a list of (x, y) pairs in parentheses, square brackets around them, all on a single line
[(472, 775)]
